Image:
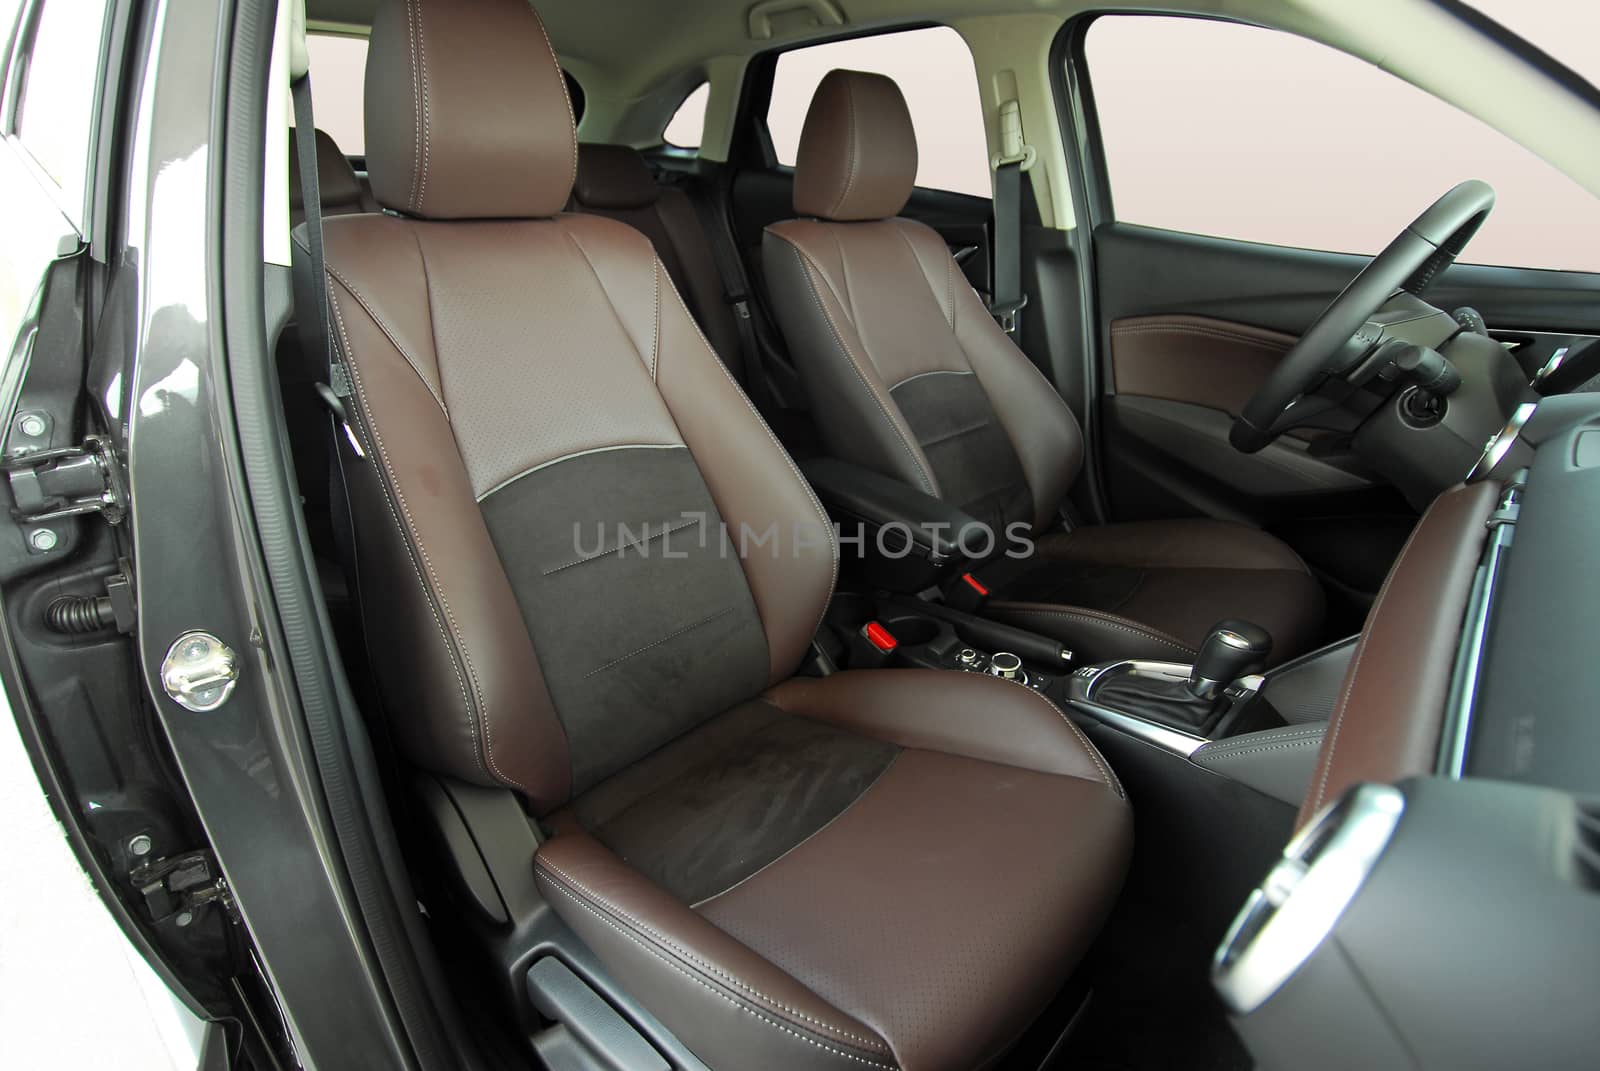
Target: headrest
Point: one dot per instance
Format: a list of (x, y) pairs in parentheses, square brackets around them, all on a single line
[(336, 179), (858, 152), (466, 111), (613, 176)]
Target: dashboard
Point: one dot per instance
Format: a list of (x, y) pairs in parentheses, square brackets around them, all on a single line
[(1440, 904)]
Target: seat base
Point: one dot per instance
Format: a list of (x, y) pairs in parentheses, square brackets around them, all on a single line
[(1153, 589), (965, 843)]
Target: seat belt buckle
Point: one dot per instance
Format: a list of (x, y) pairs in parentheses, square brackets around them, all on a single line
[(1009, 315), (871, 646), (967, 594)]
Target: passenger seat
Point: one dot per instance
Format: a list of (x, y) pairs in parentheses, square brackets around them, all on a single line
[(343, 191), (614, 181)]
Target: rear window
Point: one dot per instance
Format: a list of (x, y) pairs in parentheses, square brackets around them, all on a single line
[(338, 80), (933, 68), (688, 123)]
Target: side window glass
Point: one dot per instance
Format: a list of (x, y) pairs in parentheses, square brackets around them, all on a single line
[(338, 85), (933, 68), (688, 123), (56, 103), (1236, 131)]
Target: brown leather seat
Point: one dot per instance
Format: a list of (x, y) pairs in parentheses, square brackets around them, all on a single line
[(885, 869), (340, 189), (614, 181), (909, 376)]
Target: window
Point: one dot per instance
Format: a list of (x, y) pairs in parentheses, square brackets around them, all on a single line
[(689, 121), (338, 81), (1240, 132), (934, 69), (55, 114), (1565, 30)]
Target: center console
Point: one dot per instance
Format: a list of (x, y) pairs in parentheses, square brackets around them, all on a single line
[(1221, 715)]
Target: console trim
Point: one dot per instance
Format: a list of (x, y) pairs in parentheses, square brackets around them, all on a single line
[(1162, 736), (1300, 901), (1456, 732), (1148, 731)]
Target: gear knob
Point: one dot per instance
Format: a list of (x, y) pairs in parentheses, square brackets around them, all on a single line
[(1232, 649)]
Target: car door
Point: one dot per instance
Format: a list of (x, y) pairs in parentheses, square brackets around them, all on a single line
[(1234, 179)]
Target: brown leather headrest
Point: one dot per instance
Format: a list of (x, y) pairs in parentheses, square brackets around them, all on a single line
[(337, 183), (858, 152), (613, 176), (466, 111)]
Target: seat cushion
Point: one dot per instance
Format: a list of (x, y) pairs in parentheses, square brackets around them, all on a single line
[(892, 868), (1153, 589)]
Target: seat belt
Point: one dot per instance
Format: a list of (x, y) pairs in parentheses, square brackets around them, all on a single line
[(1014, 157), (735, 291), (312, 324), (306, 266)]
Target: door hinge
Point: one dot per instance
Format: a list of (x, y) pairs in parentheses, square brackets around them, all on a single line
[(179, 887), (69, 481)]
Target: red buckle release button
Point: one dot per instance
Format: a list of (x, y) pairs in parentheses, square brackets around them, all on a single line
[(880, 637), (972, 582)]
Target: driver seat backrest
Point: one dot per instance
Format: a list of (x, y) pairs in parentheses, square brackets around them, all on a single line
[(907, 372), (531, 393)]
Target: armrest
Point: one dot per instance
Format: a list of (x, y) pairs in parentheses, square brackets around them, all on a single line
[(1274, 762), (937, 529)]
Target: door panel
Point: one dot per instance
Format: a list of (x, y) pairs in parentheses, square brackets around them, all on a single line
[(1191, 326)]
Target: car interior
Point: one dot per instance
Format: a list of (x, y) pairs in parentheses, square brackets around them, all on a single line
[(828, 584)]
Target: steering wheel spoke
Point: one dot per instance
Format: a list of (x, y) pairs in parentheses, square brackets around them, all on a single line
[(1336, 344)]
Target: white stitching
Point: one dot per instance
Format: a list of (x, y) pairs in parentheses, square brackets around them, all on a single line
[(413, 545), (816, 504), (855, 365), (572, 120), (389, 333), (427, 112), (1297, 736), (1131, 627), (655, 340), (776, 1005), (478, 712), (724, 612), (1220, 754), (416, 109)]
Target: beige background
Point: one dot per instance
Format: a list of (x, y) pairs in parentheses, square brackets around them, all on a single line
[(1209, 127)]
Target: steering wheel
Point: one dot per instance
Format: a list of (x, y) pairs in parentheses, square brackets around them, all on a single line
[(1409, 263)]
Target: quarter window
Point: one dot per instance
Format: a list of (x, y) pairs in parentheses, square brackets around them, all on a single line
[(1240, 132), (55, 112), (933, 68), (338, 86), (689, 121)]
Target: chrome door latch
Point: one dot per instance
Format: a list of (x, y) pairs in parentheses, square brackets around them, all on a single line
[(199, 672)]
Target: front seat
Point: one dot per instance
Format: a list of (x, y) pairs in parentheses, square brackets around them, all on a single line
[(908, 375), (880, 869)]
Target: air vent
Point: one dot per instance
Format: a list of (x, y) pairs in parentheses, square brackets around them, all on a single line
[(1586, 843)]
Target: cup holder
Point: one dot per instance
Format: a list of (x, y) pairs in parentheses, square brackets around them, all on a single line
[(914, 630)]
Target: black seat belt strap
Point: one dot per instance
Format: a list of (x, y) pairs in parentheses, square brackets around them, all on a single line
[(310, 279), (1015, 156), (1009, 300), (735, 291)]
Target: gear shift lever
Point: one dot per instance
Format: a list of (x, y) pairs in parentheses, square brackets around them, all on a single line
[(1232, 649)]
